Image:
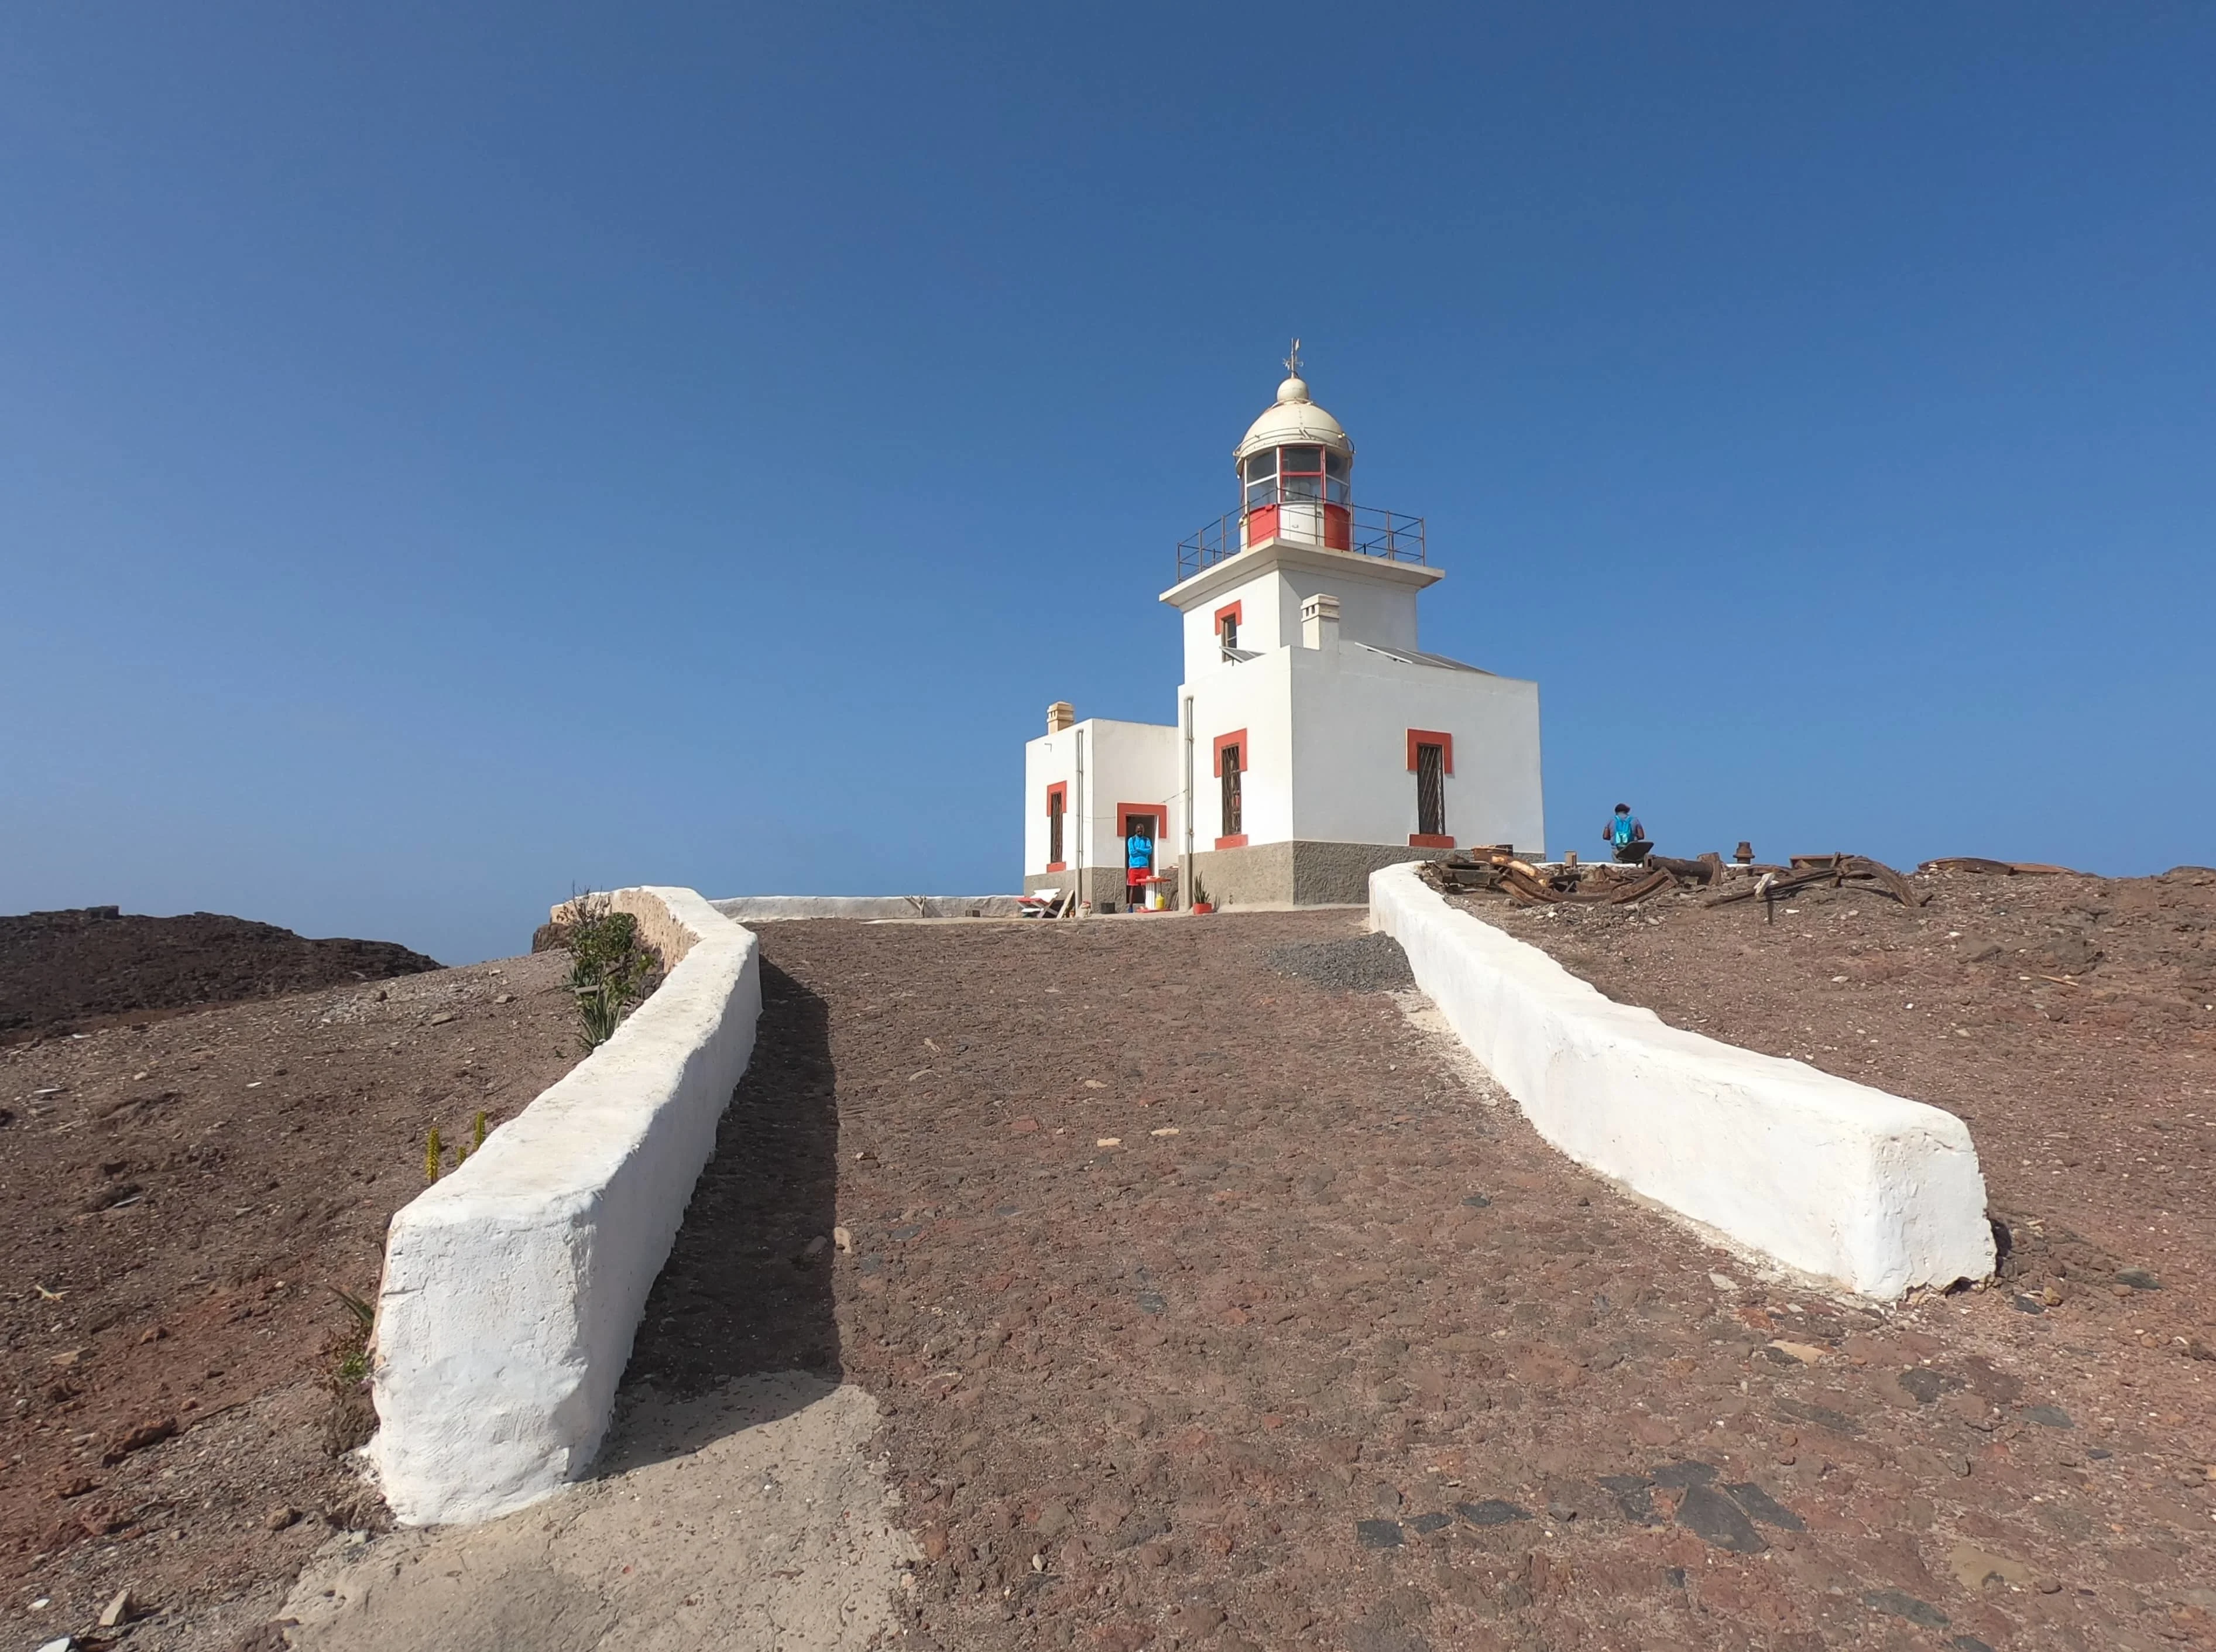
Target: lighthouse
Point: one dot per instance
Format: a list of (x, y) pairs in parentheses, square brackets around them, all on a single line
[(1316, 740)]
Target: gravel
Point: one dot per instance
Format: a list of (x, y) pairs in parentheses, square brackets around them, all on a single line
[(1370, 963)]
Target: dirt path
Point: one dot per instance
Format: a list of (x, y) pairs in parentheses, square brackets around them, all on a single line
[(1210, 1305), (753, 1516)]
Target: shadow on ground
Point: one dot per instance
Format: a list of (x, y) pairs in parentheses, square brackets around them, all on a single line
[(747, 1286)]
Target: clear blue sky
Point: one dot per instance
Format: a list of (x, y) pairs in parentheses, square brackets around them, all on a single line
[(451, 453)]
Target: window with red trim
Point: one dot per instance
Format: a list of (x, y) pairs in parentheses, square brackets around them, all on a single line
[(1227, 623), (1057, 805)]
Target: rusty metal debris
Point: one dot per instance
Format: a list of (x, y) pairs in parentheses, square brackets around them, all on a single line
[(1567, 885), (1994, 868), (1606, 883), (1807, 871)]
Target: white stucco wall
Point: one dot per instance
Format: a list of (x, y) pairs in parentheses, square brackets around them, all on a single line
[(1255, 695), (1369, 610), (1351, 710), (1374, 606), (513, 1287), (1125, 762), (1829, 1177), (1260, 625)]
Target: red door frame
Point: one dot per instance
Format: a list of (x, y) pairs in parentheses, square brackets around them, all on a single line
[(1157, 812)]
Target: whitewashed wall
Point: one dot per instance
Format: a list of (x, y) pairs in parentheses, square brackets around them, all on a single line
[(1351, 710), (513, 1287), (1377, 605), (1125, 762), (1256, 696), (1832, 1178)]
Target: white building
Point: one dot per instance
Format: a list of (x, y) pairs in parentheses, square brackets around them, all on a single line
[(1316, 740)]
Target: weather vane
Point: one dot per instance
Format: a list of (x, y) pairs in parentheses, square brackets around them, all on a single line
[(1293, 361)]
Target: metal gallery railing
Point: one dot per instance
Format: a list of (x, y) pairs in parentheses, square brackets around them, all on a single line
[(1369, 531)]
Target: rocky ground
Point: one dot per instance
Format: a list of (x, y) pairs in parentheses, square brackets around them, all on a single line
[(178, 1200), (1200, 1290), (93, 966), (2070, 1020), (1213, 1300)]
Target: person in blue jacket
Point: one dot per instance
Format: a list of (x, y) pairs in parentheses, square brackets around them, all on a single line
[(1138, 861), (1626, 835)]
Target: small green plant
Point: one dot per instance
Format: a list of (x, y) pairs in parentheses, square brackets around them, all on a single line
[(434, 1155), (354, 1347), (477, 1131), (351, 1417), (610, 968)]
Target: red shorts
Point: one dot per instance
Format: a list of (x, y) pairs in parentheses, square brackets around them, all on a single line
[(1135, 876)]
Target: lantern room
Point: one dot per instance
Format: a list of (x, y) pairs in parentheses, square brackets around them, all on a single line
[(1295, 468)]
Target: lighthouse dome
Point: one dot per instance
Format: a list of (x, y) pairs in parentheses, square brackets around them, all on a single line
[(1293, 418)]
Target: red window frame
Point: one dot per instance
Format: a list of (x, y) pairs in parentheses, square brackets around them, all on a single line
[(1057, 802), (1431, 737), (1236, 737), (1445, 743)]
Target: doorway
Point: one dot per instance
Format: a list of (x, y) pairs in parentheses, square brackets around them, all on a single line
[(1138, 859)]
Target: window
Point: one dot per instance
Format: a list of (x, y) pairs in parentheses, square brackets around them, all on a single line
[(1228, 763), (1227, 627), (1431, 791), (1056, 801), (1262, 479)]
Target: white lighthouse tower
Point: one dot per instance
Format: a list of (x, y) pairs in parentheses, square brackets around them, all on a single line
[(1316, 740)]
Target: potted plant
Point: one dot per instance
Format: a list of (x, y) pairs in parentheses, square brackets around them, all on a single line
[(1200, 901)]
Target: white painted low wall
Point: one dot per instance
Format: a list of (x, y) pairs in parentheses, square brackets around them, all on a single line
[(1828, 1176), (513, 1287), (765, 909)]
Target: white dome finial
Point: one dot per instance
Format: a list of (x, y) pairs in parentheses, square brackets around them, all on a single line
[(1293, 418)]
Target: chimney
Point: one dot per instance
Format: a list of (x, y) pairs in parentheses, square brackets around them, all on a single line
[(1320, 621), (1061, 715)]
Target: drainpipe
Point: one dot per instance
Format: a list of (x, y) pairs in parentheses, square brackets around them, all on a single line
[(1185, 876), (1080, 907)]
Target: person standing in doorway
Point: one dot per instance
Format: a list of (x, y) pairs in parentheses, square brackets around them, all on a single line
[(1138, 860), (1626, 835)]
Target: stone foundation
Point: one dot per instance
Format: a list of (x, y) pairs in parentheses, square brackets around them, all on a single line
[(1099, 884), (1298, 874), (1265, 874)]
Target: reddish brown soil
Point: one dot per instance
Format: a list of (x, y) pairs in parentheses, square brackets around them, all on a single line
[(1352, 1359), (2070, 1021), (71, 972), (176, 1202)]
